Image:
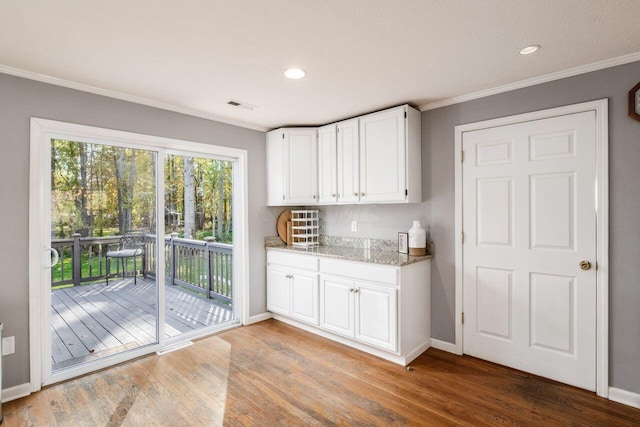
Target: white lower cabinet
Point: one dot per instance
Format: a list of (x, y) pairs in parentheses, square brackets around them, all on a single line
[(278, 290), (359, 310), (384, 310), (293, 291), (376, 315), (337, 305)]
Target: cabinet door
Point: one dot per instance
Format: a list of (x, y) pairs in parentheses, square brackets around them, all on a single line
[(278, 290), (383, 156), (304, 297), (301, 166), (337, 305), (376, 315), (327, 165), (348, 162), (275, 168)]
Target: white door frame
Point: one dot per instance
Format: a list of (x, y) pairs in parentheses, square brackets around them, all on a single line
[(42, 131), (602, 223)]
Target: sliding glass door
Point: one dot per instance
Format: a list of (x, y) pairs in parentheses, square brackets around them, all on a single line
[(103, 228), (134, 247)]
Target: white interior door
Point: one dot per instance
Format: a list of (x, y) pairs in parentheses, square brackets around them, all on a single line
[(529, 221)]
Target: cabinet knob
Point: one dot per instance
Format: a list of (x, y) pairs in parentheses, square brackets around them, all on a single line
[(333, 195), (314, 196), (351, 290), (356, 290), (362, 194), (355, 194)]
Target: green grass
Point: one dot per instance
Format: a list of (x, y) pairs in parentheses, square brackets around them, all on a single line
[(87, 265), (196, 275)]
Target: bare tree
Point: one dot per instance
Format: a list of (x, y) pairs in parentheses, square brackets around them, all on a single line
[(189, 199), (124, 185)]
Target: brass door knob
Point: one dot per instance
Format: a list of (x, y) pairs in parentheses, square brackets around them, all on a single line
[(585, 265)]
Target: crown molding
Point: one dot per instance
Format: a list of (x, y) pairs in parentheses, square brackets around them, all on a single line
[(600, 65), (126, 97)]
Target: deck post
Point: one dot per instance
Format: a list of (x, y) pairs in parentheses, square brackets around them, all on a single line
[(76, 262), (209, 241), (172, 264)]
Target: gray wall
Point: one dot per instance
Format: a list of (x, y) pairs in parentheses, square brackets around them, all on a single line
[(21, 99), (438, 208)]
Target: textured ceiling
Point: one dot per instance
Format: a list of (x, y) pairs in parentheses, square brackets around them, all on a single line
[(361, 55)]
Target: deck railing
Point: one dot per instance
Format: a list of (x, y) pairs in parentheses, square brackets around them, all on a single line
[(205, 267), (202, 266)]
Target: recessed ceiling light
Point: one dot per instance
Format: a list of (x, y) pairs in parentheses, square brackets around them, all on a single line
[(295, 73), (529, 49)]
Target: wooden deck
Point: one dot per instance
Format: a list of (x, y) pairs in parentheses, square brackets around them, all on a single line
[(93, 321)]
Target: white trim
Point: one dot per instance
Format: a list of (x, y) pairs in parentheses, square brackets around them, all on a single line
[(602, 205), (600, 65), (625, 397), (171, 348), (443, 345), (413, 355), (43, 130), (16, 392), (259, 318), (126, 97)]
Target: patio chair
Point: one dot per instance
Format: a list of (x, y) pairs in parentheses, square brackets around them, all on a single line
[(131, 245)]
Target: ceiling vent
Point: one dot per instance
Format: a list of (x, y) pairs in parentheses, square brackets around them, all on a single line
[(240, 104)]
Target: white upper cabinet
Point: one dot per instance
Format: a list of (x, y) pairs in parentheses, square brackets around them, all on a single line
[(389, 147), (369, 159), (292, 167), (327, 165), (348, 162)]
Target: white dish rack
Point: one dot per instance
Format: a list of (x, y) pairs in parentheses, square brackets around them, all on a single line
[(305, 227)]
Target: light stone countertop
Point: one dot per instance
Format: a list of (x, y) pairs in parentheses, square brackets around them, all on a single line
[(385, 257)]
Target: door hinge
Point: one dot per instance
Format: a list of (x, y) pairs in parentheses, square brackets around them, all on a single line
[(283, 197), (406, 192), (463, 317), (461, 156), (405, 114), (462, 237), (283, 136)]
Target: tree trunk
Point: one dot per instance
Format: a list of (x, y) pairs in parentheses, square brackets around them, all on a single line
[(189, 199), (124, 188), (81, 197), (220, 213)]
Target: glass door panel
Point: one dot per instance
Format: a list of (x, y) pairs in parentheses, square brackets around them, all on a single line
[(198, 245), (104, 295)]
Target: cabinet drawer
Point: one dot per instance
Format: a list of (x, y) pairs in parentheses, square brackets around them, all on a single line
[(306, 262), (360, 270)]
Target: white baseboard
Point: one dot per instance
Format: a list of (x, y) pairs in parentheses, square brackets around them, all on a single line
[(443, 345), (418, 351), (625, 397), (259, 318), (16, 392)]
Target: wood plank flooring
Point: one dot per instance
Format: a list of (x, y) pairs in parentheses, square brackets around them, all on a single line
[(271, 374), (91, 321)]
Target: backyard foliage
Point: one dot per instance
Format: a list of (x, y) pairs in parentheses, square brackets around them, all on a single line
[(102, 190)]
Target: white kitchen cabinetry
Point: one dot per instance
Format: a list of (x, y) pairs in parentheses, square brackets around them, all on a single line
[(292, 286), (292, 167), (348, 161), (364, 311), (380, 309), (327, 165), (390, 156), (374, 158)]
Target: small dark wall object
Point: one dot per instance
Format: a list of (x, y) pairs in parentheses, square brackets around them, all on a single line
[(634, 102)]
